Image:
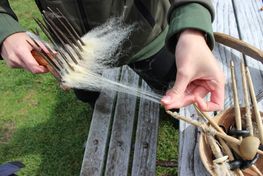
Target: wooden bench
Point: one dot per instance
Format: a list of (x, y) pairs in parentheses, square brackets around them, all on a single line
[(241, 19), (123, 133), (124, 129)]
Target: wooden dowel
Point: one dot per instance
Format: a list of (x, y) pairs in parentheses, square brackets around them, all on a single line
[(235, 97), (248, 116), (239, 45), (255, 169), (201, 125), (255, 105), (214, 146), (225, 147), (218, 154), (209, 119)]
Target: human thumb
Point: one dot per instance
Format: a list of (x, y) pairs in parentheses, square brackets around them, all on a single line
[(177, 92)]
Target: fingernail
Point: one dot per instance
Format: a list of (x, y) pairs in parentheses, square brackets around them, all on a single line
[(166, 99)]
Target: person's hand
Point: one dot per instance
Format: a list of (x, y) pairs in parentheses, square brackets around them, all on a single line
[(17, 53), (198, 74)]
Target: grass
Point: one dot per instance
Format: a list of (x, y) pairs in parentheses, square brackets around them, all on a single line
[(45, 127)]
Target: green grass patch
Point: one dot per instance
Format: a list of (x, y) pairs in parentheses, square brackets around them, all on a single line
[(45, 127)]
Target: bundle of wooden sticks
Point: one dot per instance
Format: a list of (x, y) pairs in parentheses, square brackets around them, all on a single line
[(235, 149)]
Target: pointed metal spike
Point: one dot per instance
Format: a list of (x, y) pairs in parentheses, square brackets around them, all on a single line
[(47, 58), (65, 59), (57, 59), (50, 61), (73, 38), (72, 28), (35, 31), (55, 31), (38, 49), (65, 39), (53, 70), (46, 31), (49, 30)]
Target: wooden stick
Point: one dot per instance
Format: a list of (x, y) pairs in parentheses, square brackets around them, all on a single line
[(239, 45), (248, 116), (204, 127), (255, 169), (225, 147), (209, 119), (239, 172), (224, 167), (255, 105), (222, 142), (214, 147), (235, 97)]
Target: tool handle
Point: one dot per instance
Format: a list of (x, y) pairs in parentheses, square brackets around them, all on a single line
[(41, 61)]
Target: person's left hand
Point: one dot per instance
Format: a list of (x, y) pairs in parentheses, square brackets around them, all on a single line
[(198, 74)]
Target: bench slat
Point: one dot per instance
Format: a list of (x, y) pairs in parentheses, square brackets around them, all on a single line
[(144, 158), (93, 161), (122, 128), (250, 21), (226, 23)]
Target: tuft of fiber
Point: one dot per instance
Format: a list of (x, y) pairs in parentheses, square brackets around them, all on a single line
[(100, 52)]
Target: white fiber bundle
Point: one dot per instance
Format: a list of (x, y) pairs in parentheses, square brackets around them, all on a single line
[(100, 52)]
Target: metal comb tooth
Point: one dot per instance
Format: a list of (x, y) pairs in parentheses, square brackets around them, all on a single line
[(67, 44), (47, 57), (62, 39), (71, 27), (57, 59), (62, 35), (65, 59), (73, 38), (48, 60), (48, 34), (46, 31)]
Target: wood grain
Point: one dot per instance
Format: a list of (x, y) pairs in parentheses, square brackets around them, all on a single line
[(250, 20), (95, 151), (144, 158), (122, 128)]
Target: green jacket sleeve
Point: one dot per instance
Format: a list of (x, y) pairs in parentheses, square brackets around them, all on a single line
[(8, 21), (190, 14)]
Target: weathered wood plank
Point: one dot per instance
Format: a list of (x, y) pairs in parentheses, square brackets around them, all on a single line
[(250, 21), (122, 128), (144, 158), (189, 158), (225, 22), (94, 156), (190, 162)]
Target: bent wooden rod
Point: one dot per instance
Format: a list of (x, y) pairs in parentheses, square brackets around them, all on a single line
[(239, 45)]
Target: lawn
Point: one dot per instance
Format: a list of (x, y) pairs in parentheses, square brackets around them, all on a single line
[(45, 127)]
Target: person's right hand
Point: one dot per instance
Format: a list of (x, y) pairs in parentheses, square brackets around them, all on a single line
[(17, 53)]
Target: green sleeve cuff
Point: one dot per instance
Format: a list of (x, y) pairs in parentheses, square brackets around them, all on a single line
[(8, 26), (189, 16)]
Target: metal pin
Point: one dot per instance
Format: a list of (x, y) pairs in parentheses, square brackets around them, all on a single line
[(73, 38), (71, 27), (56, 32), (44, 55), (46, 31)]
